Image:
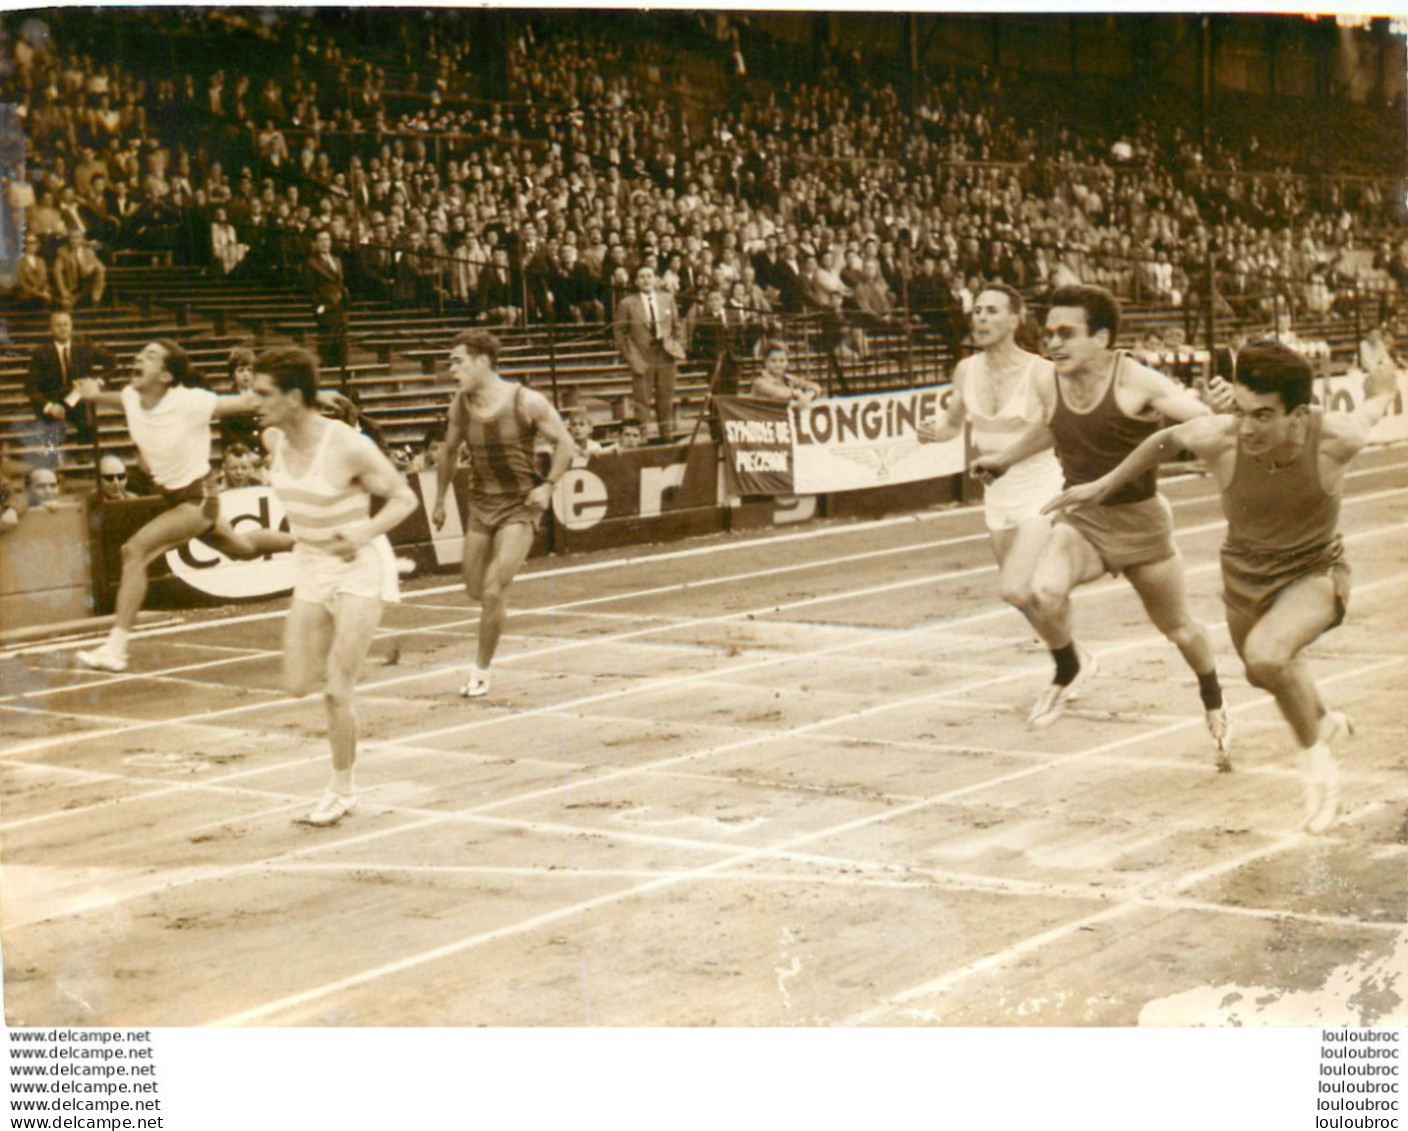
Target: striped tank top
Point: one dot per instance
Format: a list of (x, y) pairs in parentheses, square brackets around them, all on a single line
[(1093, 442), (500, 446), (317, 508), (1281, 512)]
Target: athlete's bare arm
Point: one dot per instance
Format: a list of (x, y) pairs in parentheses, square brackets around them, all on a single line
[(1211, 438), (90, 389), (1037, 437), (448, 463), (376, 474), (941, 431), (1161, 395), (1344, 434), (549, 424)]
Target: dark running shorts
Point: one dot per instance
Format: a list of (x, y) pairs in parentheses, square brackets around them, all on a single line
[(1131, 534), (490, 513), (1251, 582), (199, 494)]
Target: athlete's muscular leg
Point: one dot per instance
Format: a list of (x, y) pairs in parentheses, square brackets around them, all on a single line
[(510, 549), (1066, 561), (1018, 549), (1161, 587), (307, 637), (1271, 648), (166, 531), (354, 626)]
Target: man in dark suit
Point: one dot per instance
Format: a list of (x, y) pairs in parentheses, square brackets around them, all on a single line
[(327, 291), (53, 368), (650, 337)]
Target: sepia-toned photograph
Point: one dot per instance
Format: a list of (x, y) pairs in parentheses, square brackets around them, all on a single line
[(674, 519)]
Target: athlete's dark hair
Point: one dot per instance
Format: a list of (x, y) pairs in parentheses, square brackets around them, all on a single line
[(290, 368), (479, 343), (1015, 303), (178, 364), (1267, 367), (1102, 309)]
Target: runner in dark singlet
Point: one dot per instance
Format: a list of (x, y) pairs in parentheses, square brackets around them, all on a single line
[(500, 421), (1280, 463), (1098, 408)]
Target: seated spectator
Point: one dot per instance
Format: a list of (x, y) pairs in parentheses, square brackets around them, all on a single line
[(774, 383), (54, 366), (32, 289), (112, 480), (579, 426), (80, 278), (1376, 348), (42, 488), (632, 434), (225, 246), (239, 467)]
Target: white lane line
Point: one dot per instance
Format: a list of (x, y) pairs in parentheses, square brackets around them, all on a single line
[(774, 539), (733, 579)]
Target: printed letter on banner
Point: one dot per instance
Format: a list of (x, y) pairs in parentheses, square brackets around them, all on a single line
[(757, 446)]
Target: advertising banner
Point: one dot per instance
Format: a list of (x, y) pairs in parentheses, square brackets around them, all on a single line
[(836, 444), (1346, 393)]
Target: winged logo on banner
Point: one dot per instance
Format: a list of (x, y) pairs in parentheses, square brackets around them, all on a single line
[(878, 456)]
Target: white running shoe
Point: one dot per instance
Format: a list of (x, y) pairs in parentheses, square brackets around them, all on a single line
[(1322, 789), (1220, 728), (477, 684), (103, 659), (331, 808), (1089, 669)]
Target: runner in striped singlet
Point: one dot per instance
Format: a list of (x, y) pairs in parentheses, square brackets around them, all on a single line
[(500, 423), (993, 390), (1096, 409), (324, 474), (1280, 463)]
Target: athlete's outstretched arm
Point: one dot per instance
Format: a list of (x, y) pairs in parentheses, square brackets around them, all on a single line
[(1168, 398), (1348, 432), (1205, 436), (90, 389)]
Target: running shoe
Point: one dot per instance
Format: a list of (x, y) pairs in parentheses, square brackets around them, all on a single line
[(1052, 704), (1322, 790), (103, 659), (1220, 728), (331, 809), (476, 685)]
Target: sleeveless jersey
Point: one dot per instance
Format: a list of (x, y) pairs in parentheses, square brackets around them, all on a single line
[(1089, 444), (500, 447), (316, 508), (1283, 512)]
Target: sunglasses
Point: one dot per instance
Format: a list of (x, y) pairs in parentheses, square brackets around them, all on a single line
[(115, 478)]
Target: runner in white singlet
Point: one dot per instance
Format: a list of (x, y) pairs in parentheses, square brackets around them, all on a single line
[(325, 474)]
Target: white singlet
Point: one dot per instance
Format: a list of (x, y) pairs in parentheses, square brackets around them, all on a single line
[(1027, 486), (317, 509)]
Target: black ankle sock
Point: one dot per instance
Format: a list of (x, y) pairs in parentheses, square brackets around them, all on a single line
[(1067, 663), (1210, 690)]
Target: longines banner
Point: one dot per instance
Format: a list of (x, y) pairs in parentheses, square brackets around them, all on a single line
[(1346, 394), (836, 444)]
